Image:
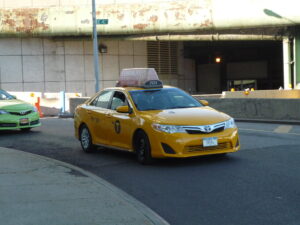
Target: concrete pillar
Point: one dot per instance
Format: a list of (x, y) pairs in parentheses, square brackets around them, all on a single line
[(297, 61), (287, 64)]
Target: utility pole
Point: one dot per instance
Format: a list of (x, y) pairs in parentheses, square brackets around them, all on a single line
[(95, 47)]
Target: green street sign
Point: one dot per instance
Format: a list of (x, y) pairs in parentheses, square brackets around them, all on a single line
[(102, 21)]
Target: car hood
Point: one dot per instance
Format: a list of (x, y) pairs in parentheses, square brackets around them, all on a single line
[(186, 116), (14, 105)]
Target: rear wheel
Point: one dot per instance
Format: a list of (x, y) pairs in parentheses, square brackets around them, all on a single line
[(86, 139), (143, 148)]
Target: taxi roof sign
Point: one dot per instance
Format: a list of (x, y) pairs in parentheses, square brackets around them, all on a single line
[(139, 77)]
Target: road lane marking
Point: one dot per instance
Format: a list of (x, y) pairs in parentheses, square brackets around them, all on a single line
[(283, 129), (266, 131), (246, 129)]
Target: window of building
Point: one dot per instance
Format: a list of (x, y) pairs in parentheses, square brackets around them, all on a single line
[(240, 85)]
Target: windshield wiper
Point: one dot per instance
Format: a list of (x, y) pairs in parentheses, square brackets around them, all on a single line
[(181, 107), (147, 109)]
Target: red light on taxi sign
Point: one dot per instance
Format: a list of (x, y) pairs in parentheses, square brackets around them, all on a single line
[(139, 77)]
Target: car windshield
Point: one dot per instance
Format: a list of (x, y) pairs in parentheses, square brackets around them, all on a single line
[(164, 98), (5, 96)]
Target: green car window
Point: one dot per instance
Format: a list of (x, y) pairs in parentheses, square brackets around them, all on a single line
[(5, 96)]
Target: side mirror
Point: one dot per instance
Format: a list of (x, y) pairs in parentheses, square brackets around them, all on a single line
[(204, 102), (123, 109)]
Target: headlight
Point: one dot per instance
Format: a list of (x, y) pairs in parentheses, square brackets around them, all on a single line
[(168, 128), (34, 109), (230, 124), (3, 112)]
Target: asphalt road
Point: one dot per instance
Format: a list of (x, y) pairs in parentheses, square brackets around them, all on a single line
[(258, 185)]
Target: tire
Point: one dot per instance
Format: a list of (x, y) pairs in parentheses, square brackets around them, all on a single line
[(143, 148), (86, 139), (26, 129)]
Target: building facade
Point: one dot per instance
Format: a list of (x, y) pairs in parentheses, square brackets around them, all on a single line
[(203, 46)]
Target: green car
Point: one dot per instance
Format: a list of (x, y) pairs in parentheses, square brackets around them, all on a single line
[(17, 114)]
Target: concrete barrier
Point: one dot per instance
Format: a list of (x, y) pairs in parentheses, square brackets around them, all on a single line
[(50, 103), (258, 108), (262, 94), (74, 102), (243, 108)]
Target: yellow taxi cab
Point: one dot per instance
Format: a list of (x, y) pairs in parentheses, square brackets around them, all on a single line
[(143, 116)]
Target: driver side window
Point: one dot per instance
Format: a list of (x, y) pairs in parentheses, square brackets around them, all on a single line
[(119, 99)]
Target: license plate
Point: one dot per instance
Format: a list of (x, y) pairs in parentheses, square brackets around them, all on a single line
[(24, 121), (212, 141)]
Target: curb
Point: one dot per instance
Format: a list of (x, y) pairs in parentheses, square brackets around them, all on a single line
[(139, 206)]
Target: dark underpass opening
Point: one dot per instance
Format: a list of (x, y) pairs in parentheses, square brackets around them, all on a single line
[(223, 65)]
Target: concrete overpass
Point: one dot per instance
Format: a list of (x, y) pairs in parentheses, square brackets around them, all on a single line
[(56, 26)]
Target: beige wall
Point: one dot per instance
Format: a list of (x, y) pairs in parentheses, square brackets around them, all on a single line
[(54, 65), (49, 65)]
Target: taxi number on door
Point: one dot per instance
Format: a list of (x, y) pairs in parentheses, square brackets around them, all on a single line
[(212, 141)]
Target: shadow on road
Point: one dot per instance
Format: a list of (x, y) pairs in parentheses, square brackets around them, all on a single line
[(12, 133)]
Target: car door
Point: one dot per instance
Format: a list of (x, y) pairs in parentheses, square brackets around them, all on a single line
[(97, 112), (122, 125)]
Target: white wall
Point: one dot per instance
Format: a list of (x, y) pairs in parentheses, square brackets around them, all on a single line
[(50, 65)]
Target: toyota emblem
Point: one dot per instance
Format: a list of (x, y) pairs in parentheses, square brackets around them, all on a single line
[(207, 129)]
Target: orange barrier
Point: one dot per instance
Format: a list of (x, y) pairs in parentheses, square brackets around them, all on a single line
[(37, 105)]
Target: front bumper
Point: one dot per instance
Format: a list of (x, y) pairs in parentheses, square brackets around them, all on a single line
[(182, 145), (12, 122)]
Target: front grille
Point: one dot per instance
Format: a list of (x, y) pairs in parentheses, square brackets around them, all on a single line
[(201, 132), (8, 124), (22, 113), (205, 129), (197, 148), (35, 122)]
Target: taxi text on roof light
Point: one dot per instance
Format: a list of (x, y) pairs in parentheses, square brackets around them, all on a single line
[(139, 77)]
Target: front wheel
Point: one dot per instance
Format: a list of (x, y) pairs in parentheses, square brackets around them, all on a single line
[(143, 148), (86, 140)]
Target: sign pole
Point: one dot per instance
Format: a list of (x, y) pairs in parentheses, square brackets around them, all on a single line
[(95, 47)]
